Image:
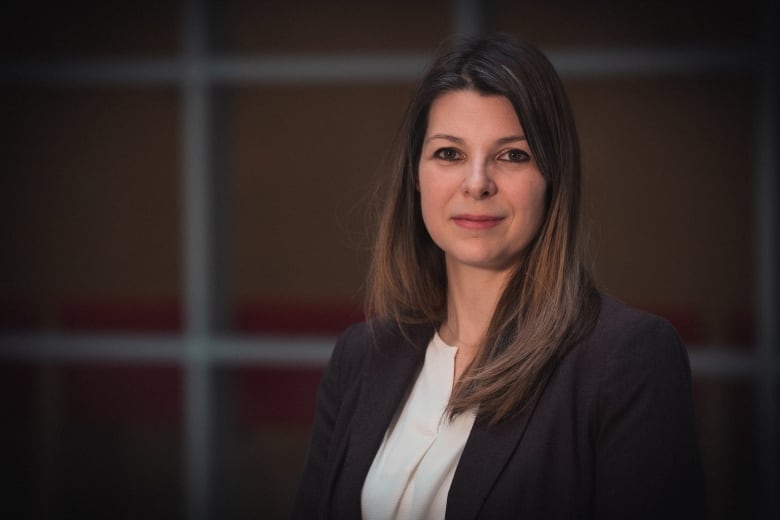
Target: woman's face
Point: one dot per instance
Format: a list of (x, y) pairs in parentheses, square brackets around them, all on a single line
[(482, 194)]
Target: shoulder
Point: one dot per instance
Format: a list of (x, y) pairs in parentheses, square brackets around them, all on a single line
[(617, 319), (641, 419), (624, 329), (628, 346), (383, 338), (632, 345)]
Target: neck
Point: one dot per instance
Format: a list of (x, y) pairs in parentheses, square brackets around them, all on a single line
[(472, 296)]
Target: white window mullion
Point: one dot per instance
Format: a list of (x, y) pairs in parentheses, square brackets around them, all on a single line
[(767, 259), (198, 261)]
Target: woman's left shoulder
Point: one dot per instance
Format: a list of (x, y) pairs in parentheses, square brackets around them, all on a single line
[(642, 418), (630, 336)]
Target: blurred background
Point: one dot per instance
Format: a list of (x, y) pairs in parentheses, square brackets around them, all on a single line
[(185, 190)]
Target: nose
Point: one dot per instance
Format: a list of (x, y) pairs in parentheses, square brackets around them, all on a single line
[(478, 183)]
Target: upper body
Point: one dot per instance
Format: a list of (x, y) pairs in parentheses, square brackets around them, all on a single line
[(582, 405), (611, 436)]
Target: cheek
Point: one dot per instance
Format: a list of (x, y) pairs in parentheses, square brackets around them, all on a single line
[(427, 205), (533, 202), (540, 203), (432, 202)]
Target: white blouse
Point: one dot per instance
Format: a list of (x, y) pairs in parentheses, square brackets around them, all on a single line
[(413, 469)]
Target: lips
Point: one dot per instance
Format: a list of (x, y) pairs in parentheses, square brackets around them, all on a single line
[(476, 222)]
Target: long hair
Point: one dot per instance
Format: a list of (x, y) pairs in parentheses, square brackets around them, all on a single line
[(550, 301)]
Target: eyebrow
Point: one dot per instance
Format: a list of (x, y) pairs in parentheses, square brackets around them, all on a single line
[(458, 140)]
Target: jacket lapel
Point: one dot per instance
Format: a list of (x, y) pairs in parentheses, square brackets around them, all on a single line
[(391, 369), (487, 451)]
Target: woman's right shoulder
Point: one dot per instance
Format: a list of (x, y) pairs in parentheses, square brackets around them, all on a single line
[(381, 337), (351, 344)]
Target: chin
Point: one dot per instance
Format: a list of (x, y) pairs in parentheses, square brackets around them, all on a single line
[(485, 263)]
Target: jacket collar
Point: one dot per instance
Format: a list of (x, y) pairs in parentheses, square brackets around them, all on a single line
[(392, 366), (391, 371), (487, 451)]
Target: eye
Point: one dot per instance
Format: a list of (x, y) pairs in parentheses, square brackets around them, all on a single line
[(514, 155), (447, 154)]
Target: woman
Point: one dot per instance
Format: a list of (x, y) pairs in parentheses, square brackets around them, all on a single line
[(493, 380)]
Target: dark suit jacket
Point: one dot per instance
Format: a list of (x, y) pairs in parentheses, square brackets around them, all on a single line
[(611, 436)]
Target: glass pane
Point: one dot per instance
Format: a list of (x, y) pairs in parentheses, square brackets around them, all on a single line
[(303, 162), (20, 438), (264, 421), (614, 22), (90, 197), (94, 440), (90, 29), (668, 188), (726, 411), (341, 26)]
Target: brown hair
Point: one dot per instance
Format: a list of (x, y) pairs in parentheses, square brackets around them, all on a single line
[(550, 301)]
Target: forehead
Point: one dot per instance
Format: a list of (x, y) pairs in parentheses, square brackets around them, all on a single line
[(467, 113)]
